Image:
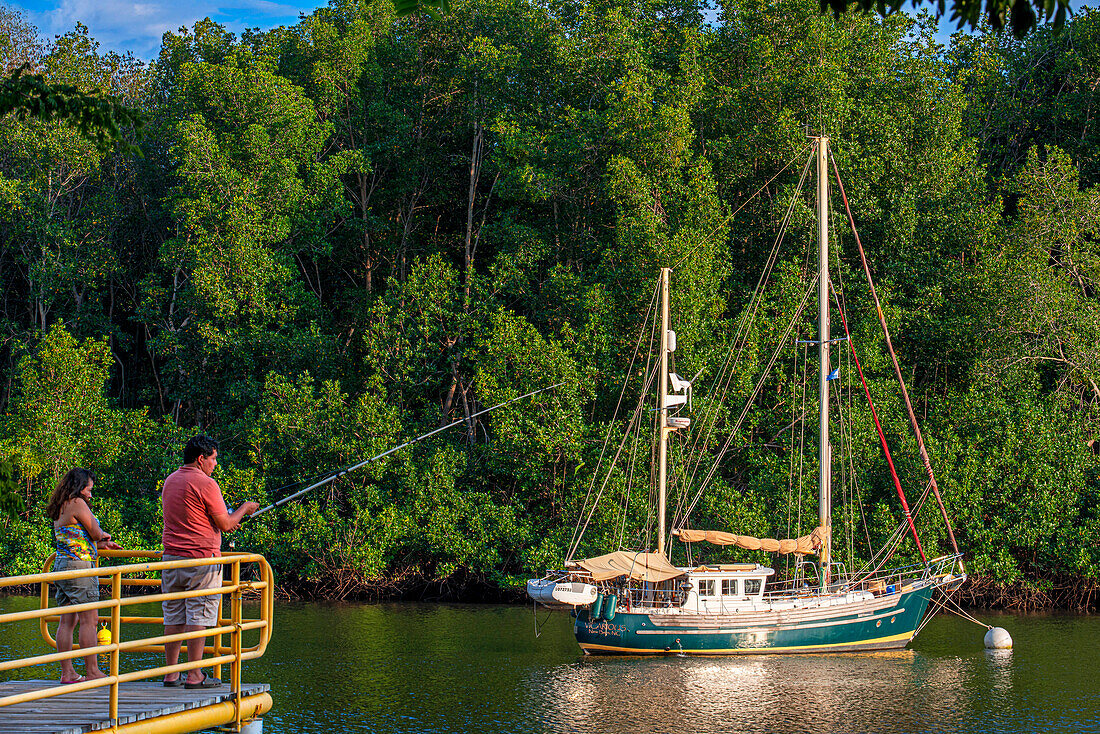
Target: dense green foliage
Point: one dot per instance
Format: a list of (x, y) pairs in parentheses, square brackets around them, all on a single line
[(344, 233)]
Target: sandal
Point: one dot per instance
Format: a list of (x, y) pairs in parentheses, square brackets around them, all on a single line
[(206, 682), (79, 679), (174, 683)]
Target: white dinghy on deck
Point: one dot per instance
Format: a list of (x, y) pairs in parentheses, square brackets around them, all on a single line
[(561, 593)]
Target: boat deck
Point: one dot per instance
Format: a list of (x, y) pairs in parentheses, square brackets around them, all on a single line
[(86, 711)]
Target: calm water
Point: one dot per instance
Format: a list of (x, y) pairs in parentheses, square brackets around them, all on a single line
[(454, 668)]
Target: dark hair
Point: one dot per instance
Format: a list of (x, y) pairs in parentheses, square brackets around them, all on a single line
[(199, 446), (70, 486)]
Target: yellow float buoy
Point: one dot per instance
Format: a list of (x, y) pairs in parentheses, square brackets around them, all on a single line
[(103, 637)]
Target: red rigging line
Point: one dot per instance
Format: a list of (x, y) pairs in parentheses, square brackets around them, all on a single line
[(897, 367), (881, 435)]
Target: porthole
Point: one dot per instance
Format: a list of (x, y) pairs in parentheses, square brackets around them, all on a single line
[(878, 623), (892, 619)]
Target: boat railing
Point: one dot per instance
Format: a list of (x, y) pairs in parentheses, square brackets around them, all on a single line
[(231, 652), (647, 597), (881, 582)]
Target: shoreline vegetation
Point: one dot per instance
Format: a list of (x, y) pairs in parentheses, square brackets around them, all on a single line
[(979, 593), (335, 236)]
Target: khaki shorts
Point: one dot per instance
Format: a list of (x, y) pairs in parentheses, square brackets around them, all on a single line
[(75, 591), (196, 610)]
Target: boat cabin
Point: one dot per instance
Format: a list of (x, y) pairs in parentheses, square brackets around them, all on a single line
[(726, 587)]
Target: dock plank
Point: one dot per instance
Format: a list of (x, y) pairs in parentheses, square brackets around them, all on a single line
[(87, 711)]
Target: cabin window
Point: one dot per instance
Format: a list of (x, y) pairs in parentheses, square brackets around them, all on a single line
[(752, 586), (729, 587), (706, 587)]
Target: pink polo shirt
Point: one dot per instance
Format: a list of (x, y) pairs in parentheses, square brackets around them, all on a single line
[(189, 500)]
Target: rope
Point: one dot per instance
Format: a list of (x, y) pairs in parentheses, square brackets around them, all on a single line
[(881, 435), (956, 610), (724, 377), (582, 521), (897, 367), (736, 211), (535, 614), (752, 399)]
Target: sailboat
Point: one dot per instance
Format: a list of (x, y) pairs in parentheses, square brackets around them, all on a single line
[(631, 602)]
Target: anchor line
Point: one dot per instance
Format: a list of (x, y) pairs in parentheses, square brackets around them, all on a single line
[(963, 613), (957, 610), (535, 614), (347, 470)]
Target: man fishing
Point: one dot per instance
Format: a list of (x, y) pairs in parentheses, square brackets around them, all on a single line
[(195, 516)]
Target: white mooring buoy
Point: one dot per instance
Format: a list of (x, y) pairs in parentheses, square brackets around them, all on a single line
[(997, 638)]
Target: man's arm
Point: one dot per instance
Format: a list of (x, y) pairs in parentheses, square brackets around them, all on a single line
[(229, 522)]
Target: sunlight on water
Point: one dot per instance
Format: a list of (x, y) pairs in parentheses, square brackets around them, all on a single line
[(452, 668)]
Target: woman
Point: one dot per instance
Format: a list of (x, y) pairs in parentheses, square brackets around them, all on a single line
[(77, 540)]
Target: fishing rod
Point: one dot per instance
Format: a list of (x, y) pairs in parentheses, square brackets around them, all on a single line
[(361, 464)]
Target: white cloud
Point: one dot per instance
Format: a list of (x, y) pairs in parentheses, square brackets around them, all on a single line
[(127, 25)]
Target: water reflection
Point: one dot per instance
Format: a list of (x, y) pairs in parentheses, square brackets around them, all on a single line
[(760, 693), (450, 668)]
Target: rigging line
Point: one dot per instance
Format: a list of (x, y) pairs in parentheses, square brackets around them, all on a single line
[(635, 434), (574, 539), (844, 439), (752, 398), (535, 613), (652, 368), (884, 554), (651, 372), (740, 340), (765, 275), (577, 530), (632, 425), (855, 495), (881, 434), (878, 560), (794, 419), (729, 218), (802, 441), (795, 449), (897, 367), (938, 605), (363, 463), (853, 488), (607, 478)]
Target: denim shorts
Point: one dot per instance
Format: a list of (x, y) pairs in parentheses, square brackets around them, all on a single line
[(75, 591)]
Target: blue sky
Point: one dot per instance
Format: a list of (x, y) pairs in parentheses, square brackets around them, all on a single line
[(137, 25)]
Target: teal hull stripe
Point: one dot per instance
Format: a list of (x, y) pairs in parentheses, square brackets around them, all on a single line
[(634, 633)]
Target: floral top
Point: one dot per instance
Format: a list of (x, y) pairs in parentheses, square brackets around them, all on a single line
[(73, 541)]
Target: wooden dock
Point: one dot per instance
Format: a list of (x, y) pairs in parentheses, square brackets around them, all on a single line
[(85, 711)]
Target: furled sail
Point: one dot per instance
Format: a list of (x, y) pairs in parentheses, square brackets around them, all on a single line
[(650, 567), (806, 545)]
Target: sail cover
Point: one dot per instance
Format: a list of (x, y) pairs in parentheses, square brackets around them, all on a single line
[(650, 567), (806, 545)]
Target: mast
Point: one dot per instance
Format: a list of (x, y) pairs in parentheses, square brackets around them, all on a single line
[(825, 469), (662, 407)]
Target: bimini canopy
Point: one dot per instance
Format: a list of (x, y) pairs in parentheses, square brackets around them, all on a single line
[(806, 545), (650, 567)]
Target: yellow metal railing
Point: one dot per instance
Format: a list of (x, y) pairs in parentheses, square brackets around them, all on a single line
[(235, 625)]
